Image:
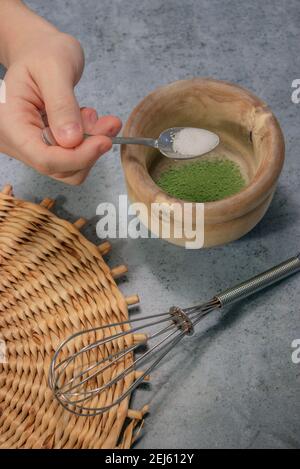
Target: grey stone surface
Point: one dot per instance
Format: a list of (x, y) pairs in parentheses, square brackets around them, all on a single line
[(233, 384)]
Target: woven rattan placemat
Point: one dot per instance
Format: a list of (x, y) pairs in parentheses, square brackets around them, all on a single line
[(53, 282)]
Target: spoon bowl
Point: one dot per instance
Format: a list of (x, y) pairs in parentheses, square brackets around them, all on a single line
[(166, 140)]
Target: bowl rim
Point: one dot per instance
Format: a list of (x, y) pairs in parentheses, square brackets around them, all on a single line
[(246, 200)]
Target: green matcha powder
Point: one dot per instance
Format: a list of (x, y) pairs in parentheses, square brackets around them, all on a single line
[(202, 181)]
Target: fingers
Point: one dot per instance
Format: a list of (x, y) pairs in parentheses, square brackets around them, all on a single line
[(72, 178), (92, 125), (62, 109), (53, 160), (107, 125)]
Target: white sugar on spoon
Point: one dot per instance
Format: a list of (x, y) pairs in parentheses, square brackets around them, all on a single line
[(190, 142)]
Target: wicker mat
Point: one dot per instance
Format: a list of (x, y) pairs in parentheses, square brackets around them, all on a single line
[(53, 282)]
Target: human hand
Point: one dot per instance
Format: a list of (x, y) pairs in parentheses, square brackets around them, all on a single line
[(41, 76)]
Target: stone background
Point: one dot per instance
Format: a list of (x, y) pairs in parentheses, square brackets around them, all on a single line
[(233, 384)]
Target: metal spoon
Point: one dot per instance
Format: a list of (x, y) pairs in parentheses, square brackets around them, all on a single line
[(164, 143)]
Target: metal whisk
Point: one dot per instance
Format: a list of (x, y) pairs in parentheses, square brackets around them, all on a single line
[(95, 369)]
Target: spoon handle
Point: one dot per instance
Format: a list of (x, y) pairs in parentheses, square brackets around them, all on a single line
[(148, 142), (49, 139)]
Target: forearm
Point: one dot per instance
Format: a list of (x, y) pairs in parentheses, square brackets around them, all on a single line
[(18, 25)]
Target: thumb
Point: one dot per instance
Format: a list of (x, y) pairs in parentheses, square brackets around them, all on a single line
[(63, 113)]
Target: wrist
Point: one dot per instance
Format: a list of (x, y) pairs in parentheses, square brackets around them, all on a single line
[(20, 28)]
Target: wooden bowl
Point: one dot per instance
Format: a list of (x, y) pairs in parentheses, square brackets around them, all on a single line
[(250, 135)]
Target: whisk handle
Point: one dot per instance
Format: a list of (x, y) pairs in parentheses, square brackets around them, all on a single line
[(260, 281)]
